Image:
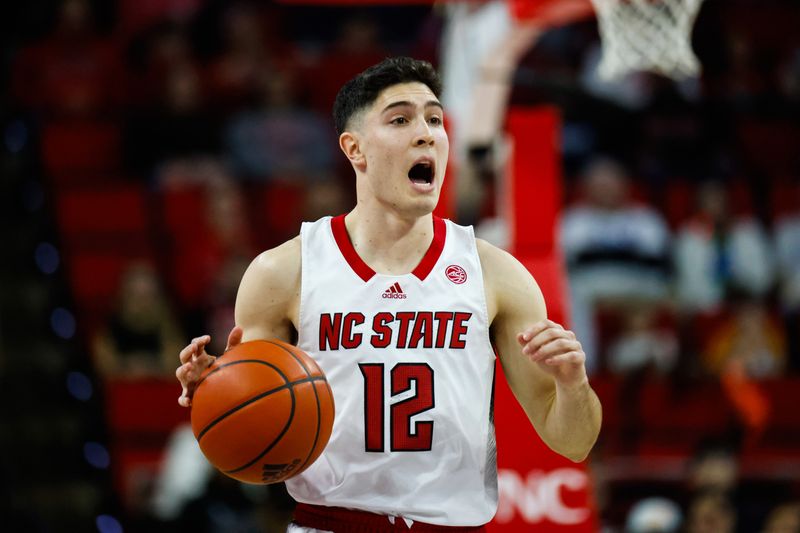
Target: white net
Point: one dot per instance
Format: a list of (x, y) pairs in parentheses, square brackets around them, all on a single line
[(652, 35)]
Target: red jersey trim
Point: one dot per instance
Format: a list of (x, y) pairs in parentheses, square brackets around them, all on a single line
[(434, 251), (348, 251), (366, 273)]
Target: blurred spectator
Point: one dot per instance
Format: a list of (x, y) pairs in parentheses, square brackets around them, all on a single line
[(208, 260), (227, 215), (219, 315), (229, 506), (715, 473), (744, 83), (154, 53), (223, 507), (713, 468), (137, 14), (749, 336), (73, 72), (615, 249), (192, 496), (251, 47), (783, 519), (654, 515), (711, 512), (645, 348), (787, 246), (716, 251), (746, 345), (183, 476), (280, 139), (789, 75), (357, 47), (200, 171), (180, 127), (141, 337), (643, 344)]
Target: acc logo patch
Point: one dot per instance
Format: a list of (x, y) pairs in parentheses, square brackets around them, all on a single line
[(456, 274)]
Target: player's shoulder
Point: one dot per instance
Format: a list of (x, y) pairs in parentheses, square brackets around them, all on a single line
[(269, 289), (280, 263), (497, 262), (506, 280)]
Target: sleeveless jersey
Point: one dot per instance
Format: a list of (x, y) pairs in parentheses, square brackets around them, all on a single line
[(411, 367)]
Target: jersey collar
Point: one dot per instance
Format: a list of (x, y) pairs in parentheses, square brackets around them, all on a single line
[(366, 273)]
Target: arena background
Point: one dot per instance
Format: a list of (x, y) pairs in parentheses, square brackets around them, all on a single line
[(151, 148)]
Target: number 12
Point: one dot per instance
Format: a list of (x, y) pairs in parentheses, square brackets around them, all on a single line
[(405, 435)]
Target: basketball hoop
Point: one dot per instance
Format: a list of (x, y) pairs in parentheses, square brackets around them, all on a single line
[(653, 35)]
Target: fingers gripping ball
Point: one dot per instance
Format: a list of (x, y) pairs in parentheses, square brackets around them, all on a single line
[(263, 412)]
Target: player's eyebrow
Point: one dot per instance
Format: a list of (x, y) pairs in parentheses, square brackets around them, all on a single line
[(406, 103)]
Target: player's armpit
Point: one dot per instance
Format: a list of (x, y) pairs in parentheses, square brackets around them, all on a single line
[(268, 300)]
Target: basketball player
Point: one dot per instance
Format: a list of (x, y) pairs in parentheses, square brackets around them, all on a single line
[(402, 310)]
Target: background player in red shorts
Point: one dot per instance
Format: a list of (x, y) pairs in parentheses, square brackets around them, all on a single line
[(412, 373)]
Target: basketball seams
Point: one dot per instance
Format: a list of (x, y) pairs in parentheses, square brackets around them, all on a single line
[(247, 402), (316, 435), (290, 352), (275, 441), (316, 397), (220, 418), (259, 361)]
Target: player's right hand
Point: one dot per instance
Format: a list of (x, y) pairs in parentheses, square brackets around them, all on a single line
[(194, 360)]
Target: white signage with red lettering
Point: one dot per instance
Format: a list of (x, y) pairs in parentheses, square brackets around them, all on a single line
[(538, 496)]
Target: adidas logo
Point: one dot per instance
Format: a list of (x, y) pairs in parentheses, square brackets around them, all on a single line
[(272, 473), (394, 292)]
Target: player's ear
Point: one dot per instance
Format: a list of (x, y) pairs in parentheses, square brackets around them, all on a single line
[(351, 146)]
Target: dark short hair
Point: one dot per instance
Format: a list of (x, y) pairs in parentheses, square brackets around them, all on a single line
[(364, 89)]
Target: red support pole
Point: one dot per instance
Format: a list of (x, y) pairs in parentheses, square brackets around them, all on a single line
[(539, 489)]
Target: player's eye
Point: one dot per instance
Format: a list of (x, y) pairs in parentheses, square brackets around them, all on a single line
[(399, 120), (436, 121)]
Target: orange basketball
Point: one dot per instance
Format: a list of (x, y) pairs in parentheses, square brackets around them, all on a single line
[(263, 412)]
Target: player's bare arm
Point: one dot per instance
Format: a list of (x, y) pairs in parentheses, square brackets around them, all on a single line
[(266, 308), (543, 362), (268, 300)]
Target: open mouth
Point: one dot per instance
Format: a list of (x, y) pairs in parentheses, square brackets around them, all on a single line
[(422, 172)]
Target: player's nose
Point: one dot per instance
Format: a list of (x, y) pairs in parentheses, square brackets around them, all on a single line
[(423, 135)]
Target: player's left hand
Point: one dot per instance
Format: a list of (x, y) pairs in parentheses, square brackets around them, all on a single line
[(556, 350)]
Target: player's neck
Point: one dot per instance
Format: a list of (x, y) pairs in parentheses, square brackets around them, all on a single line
[(388, 243)]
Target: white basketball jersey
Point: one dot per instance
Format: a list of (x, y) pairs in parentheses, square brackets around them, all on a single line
[(411, 367)]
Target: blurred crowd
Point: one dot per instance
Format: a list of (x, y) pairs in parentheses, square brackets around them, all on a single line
[(719, 284), (210, 122), (209, 110)]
